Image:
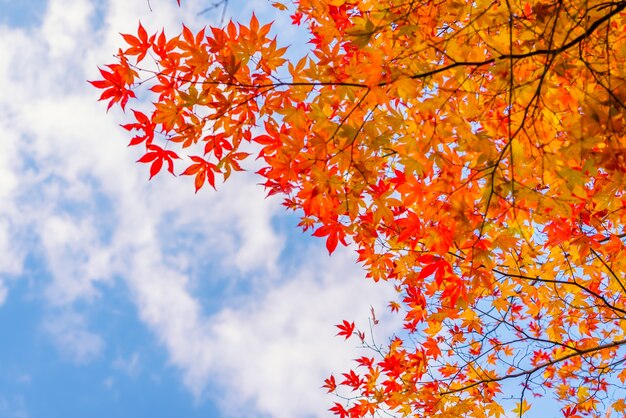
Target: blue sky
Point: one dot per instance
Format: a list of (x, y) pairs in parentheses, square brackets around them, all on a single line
[(125, 298)]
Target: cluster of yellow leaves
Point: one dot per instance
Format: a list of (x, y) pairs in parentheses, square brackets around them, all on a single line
[(475, 154)]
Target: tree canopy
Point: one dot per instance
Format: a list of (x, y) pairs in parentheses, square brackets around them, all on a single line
[(474, 154)]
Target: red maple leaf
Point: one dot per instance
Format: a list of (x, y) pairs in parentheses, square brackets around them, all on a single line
[(346, 329)]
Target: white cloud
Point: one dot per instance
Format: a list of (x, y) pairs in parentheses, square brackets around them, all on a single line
[(73, 258), (8, 150), (70, 335), (25, 378), (11, 260), (108, 382), (274, 353), (66, 21), (271, 350), (129, 366), (13, 406)]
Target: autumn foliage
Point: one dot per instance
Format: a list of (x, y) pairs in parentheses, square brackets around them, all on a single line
[(474, 154)]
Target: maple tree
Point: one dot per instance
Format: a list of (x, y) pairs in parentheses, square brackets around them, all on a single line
[(474, 153)]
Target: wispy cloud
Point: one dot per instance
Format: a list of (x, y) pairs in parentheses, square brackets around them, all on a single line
[(130, 365), (13, 407), (74, 341)]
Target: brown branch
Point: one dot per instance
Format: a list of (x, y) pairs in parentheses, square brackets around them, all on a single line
[(537, 368), (563, 282)]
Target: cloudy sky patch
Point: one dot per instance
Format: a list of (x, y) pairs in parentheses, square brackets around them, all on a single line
[(123, 297)]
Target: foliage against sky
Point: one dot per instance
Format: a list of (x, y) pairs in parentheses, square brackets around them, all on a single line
[(474, 153)]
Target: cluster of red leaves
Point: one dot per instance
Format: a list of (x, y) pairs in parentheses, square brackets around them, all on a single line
[(202, 83)]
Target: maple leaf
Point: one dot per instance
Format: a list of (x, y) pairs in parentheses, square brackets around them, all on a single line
[(296, 18), (365, 361), (156, 156), (345, 329), (330, 384), (521, 408), (144, 124), (114, 86), (139, 45), (335, 233), (203, 171), (352, 379), (437, 267), (394, 306), (410, 227), (168, 114), (279, 6), (432, 348), (338, 409)]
